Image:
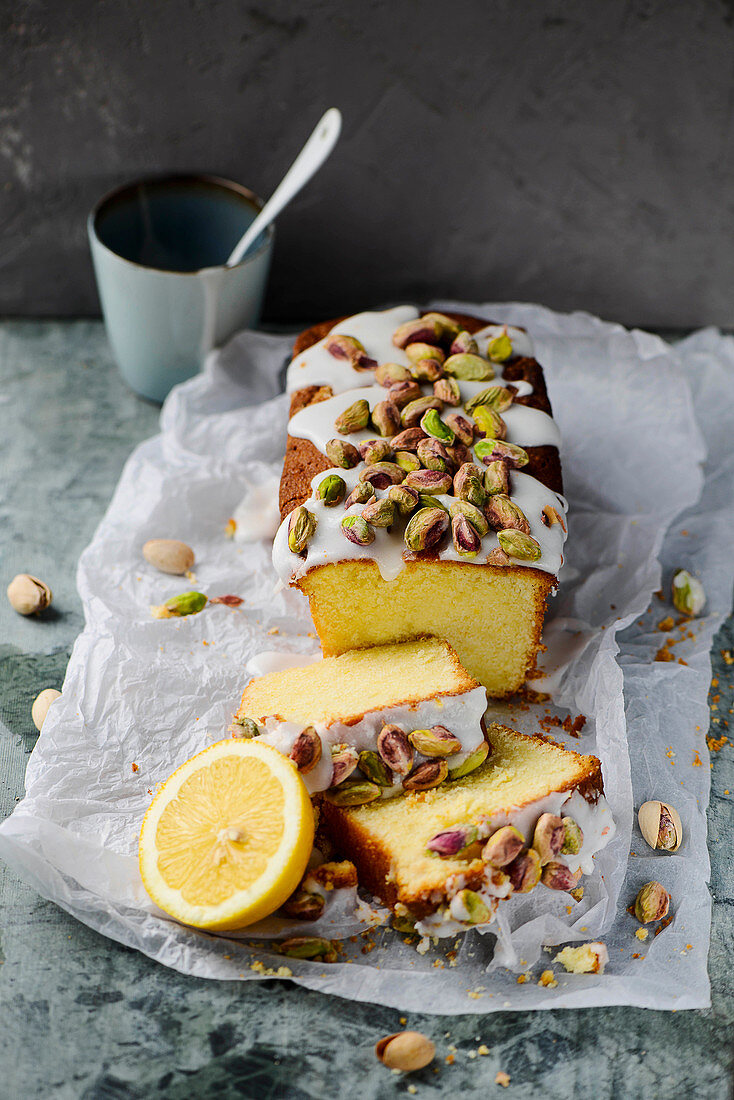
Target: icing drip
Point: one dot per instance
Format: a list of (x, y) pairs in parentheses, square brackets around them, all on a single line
[(461, 714)]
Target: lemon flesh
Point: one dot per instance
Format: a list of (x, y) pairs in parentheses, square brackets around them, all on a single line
[(227, 838)]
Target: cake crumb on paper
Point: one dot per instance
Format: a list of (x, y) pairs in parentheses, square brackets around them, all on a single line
[(502, 1078), (642, 934), (548, 979)]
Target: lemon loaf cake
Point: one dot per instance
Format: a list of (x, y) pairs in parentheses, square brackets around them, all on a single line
[(532, 813), (373, 722), (420, 492)]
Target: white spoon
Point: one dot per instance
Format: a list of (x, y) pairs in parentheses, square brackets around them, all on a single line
[(308, 161)]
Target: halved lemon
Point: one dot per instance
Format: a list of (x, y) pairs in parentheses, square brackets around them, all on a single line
[(227, 838)]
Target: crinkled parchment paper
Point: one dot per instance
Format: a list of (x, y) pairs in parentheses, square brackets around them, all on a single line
[(153, 692)]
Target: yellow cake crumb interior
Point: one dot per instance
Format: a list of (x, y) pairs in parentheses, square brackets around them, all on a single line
[(519, 770), (491, 617), (346, 687)]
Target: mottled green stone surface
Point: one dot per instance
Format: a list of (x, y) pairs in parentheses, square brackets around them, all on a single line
[(81, 1016)]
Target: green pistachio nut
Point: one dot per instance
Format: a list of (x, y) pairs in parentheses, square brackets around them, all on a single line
[(434, 456), (356, 793), (304, 906), (448, 327), (469, 368), (386, 418), (429, 774), (407, 461), (425, 500), (245, 727), (467, 542), (573, 837), (503, 846), (331, 490), (375, 769), (344, 760), (464, 344), (525, 871), (404, 498), (380, 513), (308, 947), (354, 418), (402, 924), (475, 515), (518, 545), (447, 390), (469, 907), (349, 348), (503, 514), (387, 374), (426, 370), (421, 331), (188, 603), (489, 450), (426, 529), (470, 763), (497, 477), (343, 454), (301, 528), (416, 352), (466, 471), (375, 450), (395, 749), (490, 422), (402, 393), (408, 439), (548, 837), (360, 494), (415, 410), (432, 482), (499, 348), (380, 475), (495, 397), (435, 742), (358, 530), (433, 425), (689, 597), (462, 428)]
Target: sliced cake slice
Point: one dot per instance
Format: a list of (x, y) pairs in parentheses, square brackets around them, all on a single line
[(532, 813), (374, 722)]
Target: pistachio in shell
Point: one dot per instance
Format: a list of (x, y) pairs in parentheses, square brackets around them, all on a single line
[(41, 705), (660, 825), (169, 556), (28, 595), (405, 1051)]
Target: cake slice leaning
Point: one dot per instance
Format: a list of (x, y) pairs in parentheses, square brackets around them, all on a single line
[(374, 722), (533, 814)]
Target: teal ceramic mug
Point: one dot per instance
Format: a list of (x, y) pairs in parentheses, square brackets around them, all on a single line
[(159, 247)]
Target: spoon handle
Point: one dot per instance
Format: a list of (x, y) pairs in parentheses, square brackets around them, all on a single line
[(308, 161)]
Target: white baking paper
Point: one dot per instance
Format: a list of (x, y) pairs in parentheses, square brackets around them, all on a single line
[(153, 692)]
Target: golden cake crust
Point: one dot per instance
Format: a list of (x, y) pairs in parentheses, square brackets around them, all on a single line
[(303, 461)]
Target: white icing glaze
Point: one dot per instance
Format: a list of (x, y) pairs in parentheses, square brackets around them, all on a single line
[(273, 660), (329, 544), (316, 367), (595, 820), (521, 342), (461, 714)]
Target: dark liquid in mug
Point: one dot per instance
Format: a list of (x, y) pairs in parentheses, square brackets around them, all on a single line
[(177, 225)]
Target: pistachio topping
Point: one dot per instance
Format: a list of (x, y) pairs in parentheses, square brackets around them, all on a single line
[(432, 482), (331, 490), (448, 327), (301, 528), (503, 514), (245, 727), (407, 461), (418, 351), (573, 837), (489, 450), (308, 947), (408, 440), (436, 741), (395, 749), (176, 607), (548, 837), (380, 513), (375, 769), (349, 348), (469, 907), (468, 484), (434, 456), (431, 773), (341, 453), (462, 428), (375, 450), (518, 545), (524, 871), (357, 530), (354, 418), (447, 390), (404, 498), (467, 542), (470, 763), (382, 474), (464, 344), (420, 331), (385, 418), (489, 422), (426, 529), (426, 370), (469, 368), (503, 846), (499, 349), (387, 374), (452, 842), (433, 425), (353, 793), (344, 760), (402, 393), (360, 494), (304, 906), (414, 411), (495, 397), (475, 515), (306, 751), (497, 477), (557, 876)]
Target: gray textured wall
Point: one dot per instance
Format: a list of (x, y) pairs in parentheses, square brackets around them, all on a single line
[(577, 153)]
